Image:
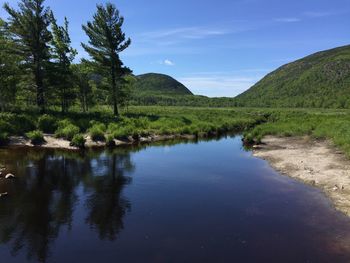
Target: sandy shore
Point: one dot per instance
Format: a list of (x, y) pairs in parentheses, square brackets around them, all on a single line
[(317, 163), (52, 142)]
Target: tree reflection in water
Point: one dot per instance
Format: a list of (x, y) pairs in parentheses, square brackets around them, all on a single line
[(43, 198)]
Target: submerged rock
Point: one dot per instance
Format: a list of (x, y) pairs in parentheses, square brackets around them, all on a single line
[(10, 176), (3, 194)]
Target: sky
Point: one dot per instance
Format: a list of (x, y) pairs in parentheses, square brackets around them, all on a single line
[(216, 48)]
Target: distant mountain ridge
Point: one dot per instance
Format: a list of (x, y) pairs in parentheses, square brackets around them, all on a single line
[(159, 84), (321, 80)]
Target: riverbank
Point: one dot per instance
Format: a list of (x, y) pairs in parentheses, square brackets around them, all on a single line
[(315, 162), (52, 142)]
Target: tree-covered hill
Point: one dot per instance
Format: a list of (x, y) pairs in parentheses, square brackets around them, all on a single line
[(321, 80), (159, 84)]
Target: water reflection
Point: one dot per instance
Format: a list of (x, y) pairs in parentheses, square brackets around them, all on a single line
[(202, 202), (43, 197)]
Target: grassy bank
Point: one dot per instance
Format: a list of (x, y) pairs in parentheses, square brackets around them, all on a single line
[(137, 122), (319, 124), (145, 121)]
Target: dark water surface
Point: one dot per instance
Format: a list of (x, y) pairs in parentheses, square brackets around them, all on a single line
[(190, 202)]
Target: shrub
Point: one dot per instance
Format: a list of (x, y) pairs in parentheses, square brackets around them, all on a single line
[(66, 130), (36, 137), (22, 124), (47, 123), (97, 132), (4, 138), (78, 141), (5, 127), (110, 140)]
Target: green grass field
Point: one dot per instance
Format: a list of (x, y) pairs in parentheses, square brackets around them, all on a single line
[(254, 123)]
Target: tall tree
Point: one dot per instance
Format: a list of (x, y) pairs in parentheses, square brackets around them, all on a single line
[(83, 82), (106, 41), (29, 27), (63, 54), (9, 69)]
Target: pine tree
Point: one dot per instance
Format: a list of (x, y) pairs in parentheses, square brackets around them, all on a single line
[(29, 28), (63, 54), (82, 79), (106, 41), (9, 68)]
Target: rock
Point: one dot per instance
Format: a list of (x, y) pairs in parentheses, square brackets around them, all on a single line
[(10, 176), (3, 194), (335, 188)]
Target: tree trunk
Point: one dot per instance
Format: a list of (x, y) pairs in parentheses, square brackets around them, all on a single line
[(114, 93), (40, 101)]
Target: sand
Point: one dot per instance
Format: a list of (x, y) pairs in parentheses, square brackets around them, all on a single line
[(317, 163), (52, 142)]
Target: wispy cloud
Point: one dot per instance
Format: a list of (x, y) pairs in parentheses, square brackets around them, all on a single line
[(288, 20), (185, 33), (308, 15), (168, 62)]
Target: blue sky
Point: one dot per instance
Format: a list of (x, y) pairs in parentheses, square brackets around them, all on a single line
[(216, 48)]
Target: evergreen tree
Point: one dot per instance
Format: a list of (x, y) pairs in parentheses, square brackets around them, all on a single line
[(126, 91), (9, 70), (29, 28), (83, 82), (106, 41), (63, 54)]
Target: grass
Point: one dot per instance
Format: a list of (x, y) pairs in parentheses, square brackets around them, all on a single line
[(333, 125), (254, 123), (66, 129), (36, 137), (97, 131), (78, 140)]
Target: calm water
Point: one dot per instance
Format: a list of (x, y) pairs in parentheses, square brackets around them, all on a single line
[(189, 202)]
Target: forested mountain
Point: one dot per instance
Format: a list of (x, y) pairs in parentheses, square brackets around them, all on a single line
[(159, 84), (321, 80)]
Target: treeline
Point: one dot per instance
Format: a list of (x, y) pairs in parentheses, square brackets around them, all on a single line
[(36, 60), (181, 100)]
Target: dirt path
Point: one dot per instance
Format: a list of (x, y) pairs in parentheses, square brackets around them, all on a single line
[(317, 163)]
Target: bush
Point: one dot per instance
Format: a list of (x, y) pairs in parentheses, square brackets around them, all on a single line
[(22, 124), (78, 141), (97, 132), (110, 140), (36, 137), (47, 123), (66, 130), (5, 127), (4, 138)]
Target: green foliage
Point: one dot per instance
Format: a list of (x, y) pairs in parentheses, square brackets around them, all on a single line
[(16, 124), (331, 125), (78, 140), (110, 140), (66, 130), (107, 41), (159, 84), (82, 79), (9, 68), (63, 54), (47, 123), (97, 132), (36, 137), (4, 137), (321, 80), (29, 24)]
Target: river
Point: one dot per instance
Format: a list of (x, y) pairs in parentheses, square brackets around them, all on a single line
[(205, 201)]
